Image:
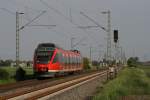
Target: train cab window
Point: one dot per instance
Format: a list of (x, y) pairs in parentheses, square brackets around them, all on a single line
[(43, 57)]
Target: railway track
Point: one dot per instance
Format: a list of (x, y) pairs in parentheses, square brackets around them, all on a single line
[(27, 83), (11, 86), (36, 89)]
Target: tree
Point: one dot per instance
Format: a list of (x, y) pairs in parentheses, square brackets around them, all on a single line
[(4, 74), (95, 63), (133, 61), (86, 63), (6, 62)]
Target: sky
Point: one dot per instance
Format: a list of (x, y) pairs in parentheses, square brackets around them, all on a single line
[(130, 17)]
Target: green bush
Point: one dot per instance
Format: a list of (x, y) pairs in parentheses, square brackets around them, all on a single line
[(133, 61), (20, 74), (86, 63), (4, 74)]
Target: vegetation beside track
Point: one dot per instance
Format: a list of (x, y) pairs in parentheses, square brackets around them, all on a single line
[(7, 74), (12, 70), (130, 81)]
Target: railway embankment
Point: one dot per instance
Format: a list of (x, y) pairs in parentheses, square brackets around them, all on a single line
[(69, 88), (81, 91), (132, 83)]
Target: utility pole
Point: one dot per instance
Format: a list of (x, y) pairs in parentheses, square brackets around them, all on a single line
[(121, 54), (18, 28), (117, 52), (116, 42), (99, 52), (108, 54), (108, 30), (17, 38)]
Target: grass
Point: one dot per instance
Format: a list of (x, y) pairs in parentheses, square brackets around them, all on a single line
[(12, 70), (146, 70), (130, 81), (5, 81)]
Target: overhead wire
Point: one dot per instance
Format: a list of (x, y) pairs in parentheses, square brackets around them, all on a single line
[(68, 19), (55, 10)]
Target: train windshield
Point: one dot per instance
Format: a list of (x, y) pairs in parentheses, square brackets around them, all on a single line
[(44, 56)]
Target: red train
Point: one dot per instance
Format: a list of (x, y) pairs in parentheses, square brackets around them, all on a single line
[(51, 60)]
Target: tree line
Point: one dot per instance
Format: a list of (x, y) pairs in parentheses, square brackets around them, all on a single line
[(6, 62), (10, 62)]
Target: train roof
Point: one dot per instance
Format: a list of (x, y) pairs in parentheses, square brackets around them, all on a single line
[(77, 51), (48, 45), (54, 46)]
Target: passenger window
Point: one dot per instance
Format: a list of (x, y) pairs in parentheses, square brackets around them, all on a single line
[(65, 59), (60, 58), (55, 58)]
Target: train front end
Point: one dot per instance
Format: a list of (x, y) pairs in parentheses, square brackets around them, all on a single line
[(43, 56)]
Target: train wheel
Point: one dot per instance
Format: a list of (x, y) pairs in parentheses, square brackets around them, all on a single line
[(71, 73), (56, 74)]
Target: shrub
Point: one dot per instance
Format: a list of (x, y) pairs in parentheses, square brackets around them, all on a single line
[(86, 63), (4, 74), (130, 81), (20, 74), (133, 61)]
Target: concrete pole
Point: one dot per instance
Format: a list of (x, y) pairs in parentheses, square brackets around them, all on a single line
[(109, 38), (17, 39)]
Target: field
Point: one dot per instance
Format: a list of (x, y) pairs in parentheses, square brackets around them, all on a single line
[(12, 70), (129, 82)]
